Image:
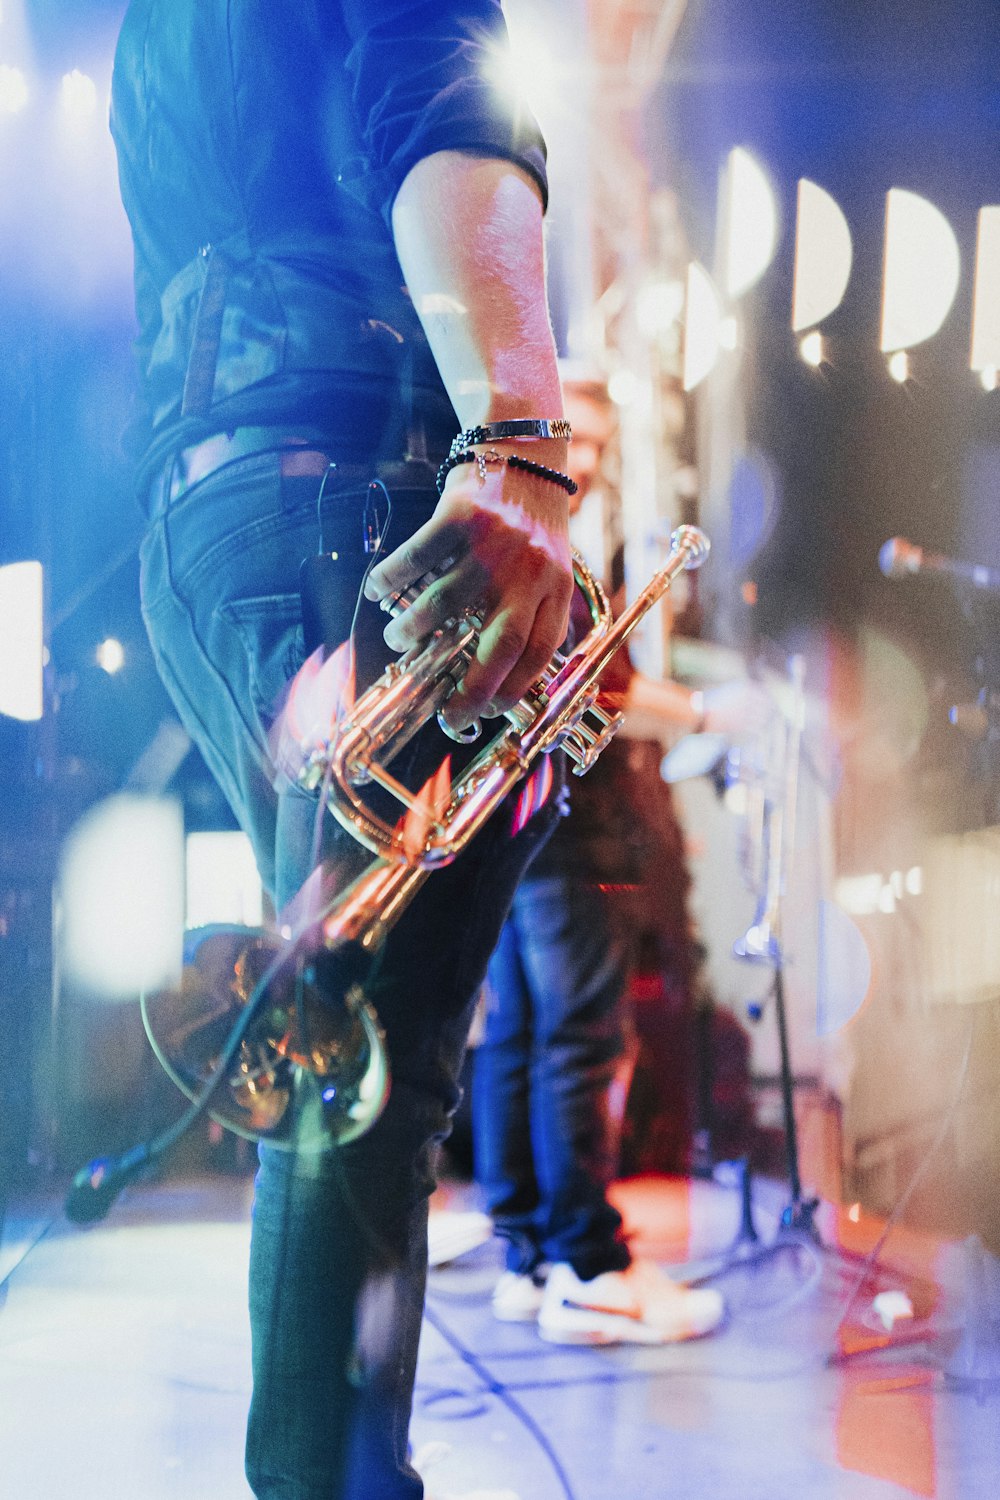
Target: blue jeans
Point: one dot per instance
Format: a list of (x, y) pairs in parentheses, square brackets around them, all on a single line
[(543, 1138), (338, 1250)]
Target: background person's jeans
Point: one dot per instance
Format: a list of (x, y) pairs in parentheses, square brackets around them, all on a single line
[(338, 1254), (544, 1143)]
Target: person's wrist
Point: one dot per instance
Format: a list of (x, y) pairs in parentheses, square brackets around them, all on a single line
[(483, 459), (515, 430), (699, 713)]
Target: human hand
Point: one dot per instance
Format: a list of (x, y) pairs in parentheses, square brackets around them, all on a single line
[(737, 709), (500, 543)]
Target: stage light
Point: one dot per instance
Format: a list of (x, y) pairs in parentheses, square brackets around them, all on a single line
[(14, 91), (21, 631), (703, 317), (729, 334), (811, 349), (121, 888), (749, 222), (659, 305), (922, 267), (823, 256), (898, 366), (623, 387), (221, 881), (985, 351), (525, 70), (110, 656), (79, 95), (843, 969)]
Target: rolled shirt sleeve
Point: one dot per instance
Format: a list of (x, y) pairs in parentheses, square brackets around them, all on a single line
[(425, 79)]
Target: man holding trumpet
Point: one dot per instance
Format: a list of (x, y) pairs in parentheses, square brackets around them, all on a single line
[(337, 221)]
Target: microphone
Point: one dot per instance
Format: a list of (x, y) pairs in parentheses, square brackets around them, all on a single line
[(899, 558), (96, 1186)]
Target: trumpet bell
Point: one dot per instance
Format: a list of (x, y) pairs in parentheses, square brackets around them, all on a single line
[(311, 1070)]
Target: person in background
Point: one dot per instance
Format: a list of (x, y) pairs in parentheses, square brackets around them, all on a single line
[(552, 1026)]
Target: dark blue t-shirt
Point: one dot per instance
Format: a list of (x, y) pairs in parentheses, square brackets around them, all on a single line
[(260, 149)]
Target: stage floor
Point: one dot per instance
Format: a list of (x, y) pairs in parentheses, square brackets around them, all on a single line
[(124, 1366)]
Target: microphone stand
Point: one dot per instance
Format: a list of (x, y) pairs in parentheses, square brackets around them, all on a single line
[(763, 943), (97, 1185)]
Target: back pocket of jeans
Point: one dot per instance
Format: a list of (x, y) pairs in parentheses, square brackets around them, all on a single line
[(269, 628)]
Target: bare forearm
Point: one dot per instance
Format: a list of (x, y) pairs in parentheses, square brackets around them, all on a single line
[(661, 710), (657, 709), (469, 237)]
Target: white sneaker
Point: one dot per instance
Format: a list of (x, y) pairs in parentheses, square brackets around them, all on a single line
[(640, 1305), (517, 1298), (452, 1234)]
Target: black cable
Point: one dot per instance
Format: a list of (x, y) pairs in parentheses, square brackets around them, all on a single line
[(871, 1259), (496, 1388), (96, 1186), (834, 1356)]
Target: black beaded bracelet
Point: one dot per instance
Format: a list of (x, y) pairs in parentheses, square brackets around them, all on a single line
[(512, 460)]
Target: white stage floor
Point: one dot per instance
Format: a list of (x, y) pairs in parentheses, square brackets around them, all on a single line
[(124, 1370)]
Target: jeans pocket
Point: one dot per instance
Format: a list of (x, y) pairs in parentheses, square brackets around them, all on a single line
[(269, 628)]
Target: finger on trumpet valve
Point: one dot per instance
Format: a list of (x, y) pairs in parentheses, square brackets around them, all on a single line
[(395, 604)]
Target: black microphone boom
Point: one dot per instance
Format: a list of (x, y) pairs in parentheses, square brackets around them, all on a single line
[(96, 1186), (899, 558)]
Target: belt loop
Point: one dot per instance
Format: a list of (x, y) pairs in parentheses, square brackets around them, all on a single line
[(161, 489)]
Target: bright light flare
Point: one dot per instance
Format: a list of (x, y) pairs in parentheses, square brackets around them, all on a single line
[(985, 352), (898, 366), (623, 387), (110, 656), (222, 882), (811, 349), (843, 970), (14, 91), (78, 95), (659, 305), (21, 640), (922, 268), (961, 936), (423, 817), (122, 889), (533, 795), (750, 222), (318, 698), (702, 326), (823, 256), (526, 70)]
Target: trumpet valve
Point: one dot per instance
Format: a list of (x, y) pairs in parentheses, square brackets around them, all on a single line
[(591, 733)]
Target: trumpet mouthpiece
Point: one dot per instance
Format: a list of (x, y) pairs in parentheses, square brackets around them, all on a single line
[(694, 540)]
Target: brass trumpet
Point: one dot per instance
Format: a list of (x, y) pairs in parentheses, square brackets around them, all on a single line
[(257, 1021)]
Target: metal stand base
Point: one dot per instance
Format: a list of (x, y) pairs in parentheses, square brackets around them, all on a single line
[(974, 1364)]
